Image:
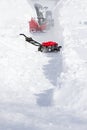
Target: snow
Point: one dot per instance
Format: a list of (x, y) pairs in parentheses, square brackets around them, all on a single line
[(73, 76), (43, 90)]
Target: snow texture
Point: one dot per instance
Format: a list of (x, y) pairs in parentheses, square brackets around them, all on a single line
[(43, 91)]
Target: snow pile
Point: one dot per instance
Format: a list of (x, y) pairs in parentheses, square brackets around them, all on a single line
[(19, 63), (13, 14), (72, 94)]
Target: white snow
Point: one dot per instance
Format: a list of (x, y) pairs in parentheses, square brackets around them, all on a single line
[(74, 73), (43, 91)]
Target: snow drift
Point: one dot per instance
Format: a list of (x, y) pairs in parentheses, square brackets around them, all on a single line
[(72, 94)]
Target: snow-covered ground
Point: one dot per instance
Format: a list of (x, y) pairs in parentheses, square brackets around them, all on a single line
[(43, 90), (74, 73)]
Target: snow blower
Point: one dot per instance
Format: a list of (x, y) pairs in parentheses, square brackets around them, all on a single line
[(44, 19), (44, 15), (49, 46)]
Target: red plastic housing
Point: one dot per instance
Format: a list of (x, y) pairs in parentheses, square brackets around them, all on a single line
[(49, 43), (34, 26)]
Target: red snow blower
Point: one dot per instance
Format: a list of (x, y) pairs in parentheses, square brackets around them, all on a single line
[(48, 46), (44, 19), (34, 26)]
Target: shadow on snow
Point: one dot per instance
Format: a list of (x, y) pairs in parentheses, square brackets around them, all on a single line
[(52, 71), (45, 98)]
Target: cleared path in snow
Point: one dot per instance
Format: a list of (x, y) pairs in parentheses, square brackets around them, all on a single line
[(28, 77)]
